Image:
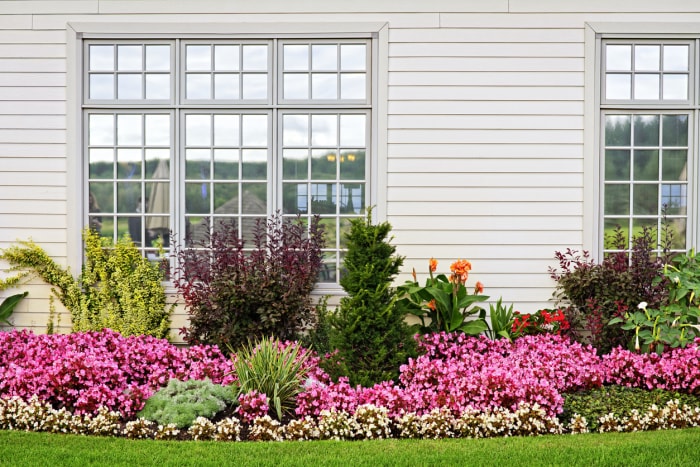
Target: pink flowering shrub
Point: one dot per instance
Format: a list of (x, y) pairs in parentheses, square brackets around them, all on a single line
[(460, 372), (85, 371), (252, 405), (675, 370)]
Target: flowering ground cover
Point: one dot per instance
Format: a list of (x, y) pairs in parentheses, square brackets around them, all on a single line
[(457, 384)]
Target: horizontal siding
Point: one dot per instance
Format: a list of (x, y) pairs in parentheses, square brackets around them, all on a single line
[(26, 122), (486, 78), (486, 208), (488, 180), (478, 163), (396, 19), (487, 122), (505, 150), (485, 49), (479, 107), (490, 93), (438, 63), (439, 136), (555, 20), (444, 194)]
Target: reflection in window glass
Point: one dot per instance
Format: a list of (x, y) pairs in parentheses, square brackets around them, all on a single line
[(642, 151), (187, 144)]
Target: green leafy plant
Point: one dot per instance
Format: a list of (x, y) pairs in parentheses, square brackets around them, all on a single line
[(234, 293), (368, 328), (443, 303), (8, 305), (618, 400), (676, 322), (502, 319), (274, 369), (181, 402), (117, 289)]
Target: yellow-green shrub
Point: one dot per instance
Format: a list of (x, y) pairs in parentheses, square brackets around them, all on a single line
[(117, 289)]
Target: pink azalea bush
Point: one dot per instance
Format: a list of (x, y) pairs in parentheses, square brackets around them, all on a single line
[(88, 370), (461, 372), (674, 370)]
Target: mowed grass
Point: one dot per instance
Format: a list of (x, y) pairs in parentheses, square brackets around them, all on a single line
[(662, 448)]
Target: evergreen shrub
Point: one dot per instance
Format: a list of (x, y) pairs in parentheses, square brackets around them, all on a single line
[(368, 328)]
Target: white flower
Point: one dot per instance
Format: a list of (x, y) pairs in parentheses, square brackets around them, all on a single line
[(642, 305)]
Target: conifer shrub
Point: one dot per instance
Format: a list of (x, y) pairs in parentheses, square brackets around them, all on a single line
[(117, 289), (368, 328), (181, 402), (235, 294)]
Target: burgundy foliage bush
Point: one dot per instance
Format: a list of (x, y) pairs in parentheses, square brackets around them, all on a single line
[(236, 294)]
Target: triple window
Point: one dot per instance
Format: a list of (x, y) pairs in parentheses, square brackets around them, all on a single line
[(183, 134)]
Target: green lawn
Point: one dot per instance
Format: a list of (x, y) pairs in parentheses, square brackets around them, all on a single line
[(667, 448)]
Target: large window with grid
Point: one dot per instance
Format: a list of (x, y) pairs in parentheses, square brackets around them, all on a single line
[(181, 134), (649, 113)]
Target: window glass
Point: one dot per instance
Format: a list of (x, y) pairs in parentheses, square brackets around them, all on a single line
[(180, 137)]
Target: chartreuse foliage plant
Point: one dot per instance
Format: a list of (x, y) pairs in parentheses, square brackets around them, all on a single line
[(181, 402), (368, 328), (272, 368), (235, 292), (444, 303), (117, 289)]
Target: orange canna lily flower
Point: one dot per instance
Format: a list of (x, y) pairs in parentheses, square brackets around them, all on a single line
[(431, 304), (433, 264), (478, 288), (460, 269)]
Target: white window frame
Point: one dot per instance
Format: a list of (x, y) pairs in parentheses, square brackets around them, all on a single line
[(77, 32)]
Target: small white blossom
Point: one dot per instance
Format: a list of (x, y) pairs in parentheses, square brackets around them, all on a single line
[(642, 305)]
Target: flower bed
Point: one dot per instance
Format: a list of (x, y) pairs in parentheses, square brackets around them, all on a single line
[(459, 386), (88, 370)]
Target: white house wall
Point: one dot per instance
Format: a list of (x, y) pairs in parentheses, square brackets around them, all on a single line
[(484, 147)]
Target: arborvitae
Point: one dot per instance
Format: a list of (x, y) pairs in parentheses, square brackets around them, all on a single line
[(368, 330)]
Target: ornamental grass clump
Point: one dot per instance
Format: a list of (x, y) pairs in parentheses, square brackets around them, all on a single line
[(274, 369)]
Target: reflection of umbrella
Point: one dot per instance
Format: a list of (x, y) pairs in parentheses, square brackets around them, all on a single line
[(159, 199)]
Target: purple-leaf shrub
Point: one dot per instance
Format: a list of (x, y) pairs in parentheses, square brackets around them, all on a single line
[(85, 371), (674, 370)]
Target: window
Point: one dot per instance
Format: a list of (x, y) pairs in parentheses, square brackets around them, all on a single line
[(648, 112), (181, 134)]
